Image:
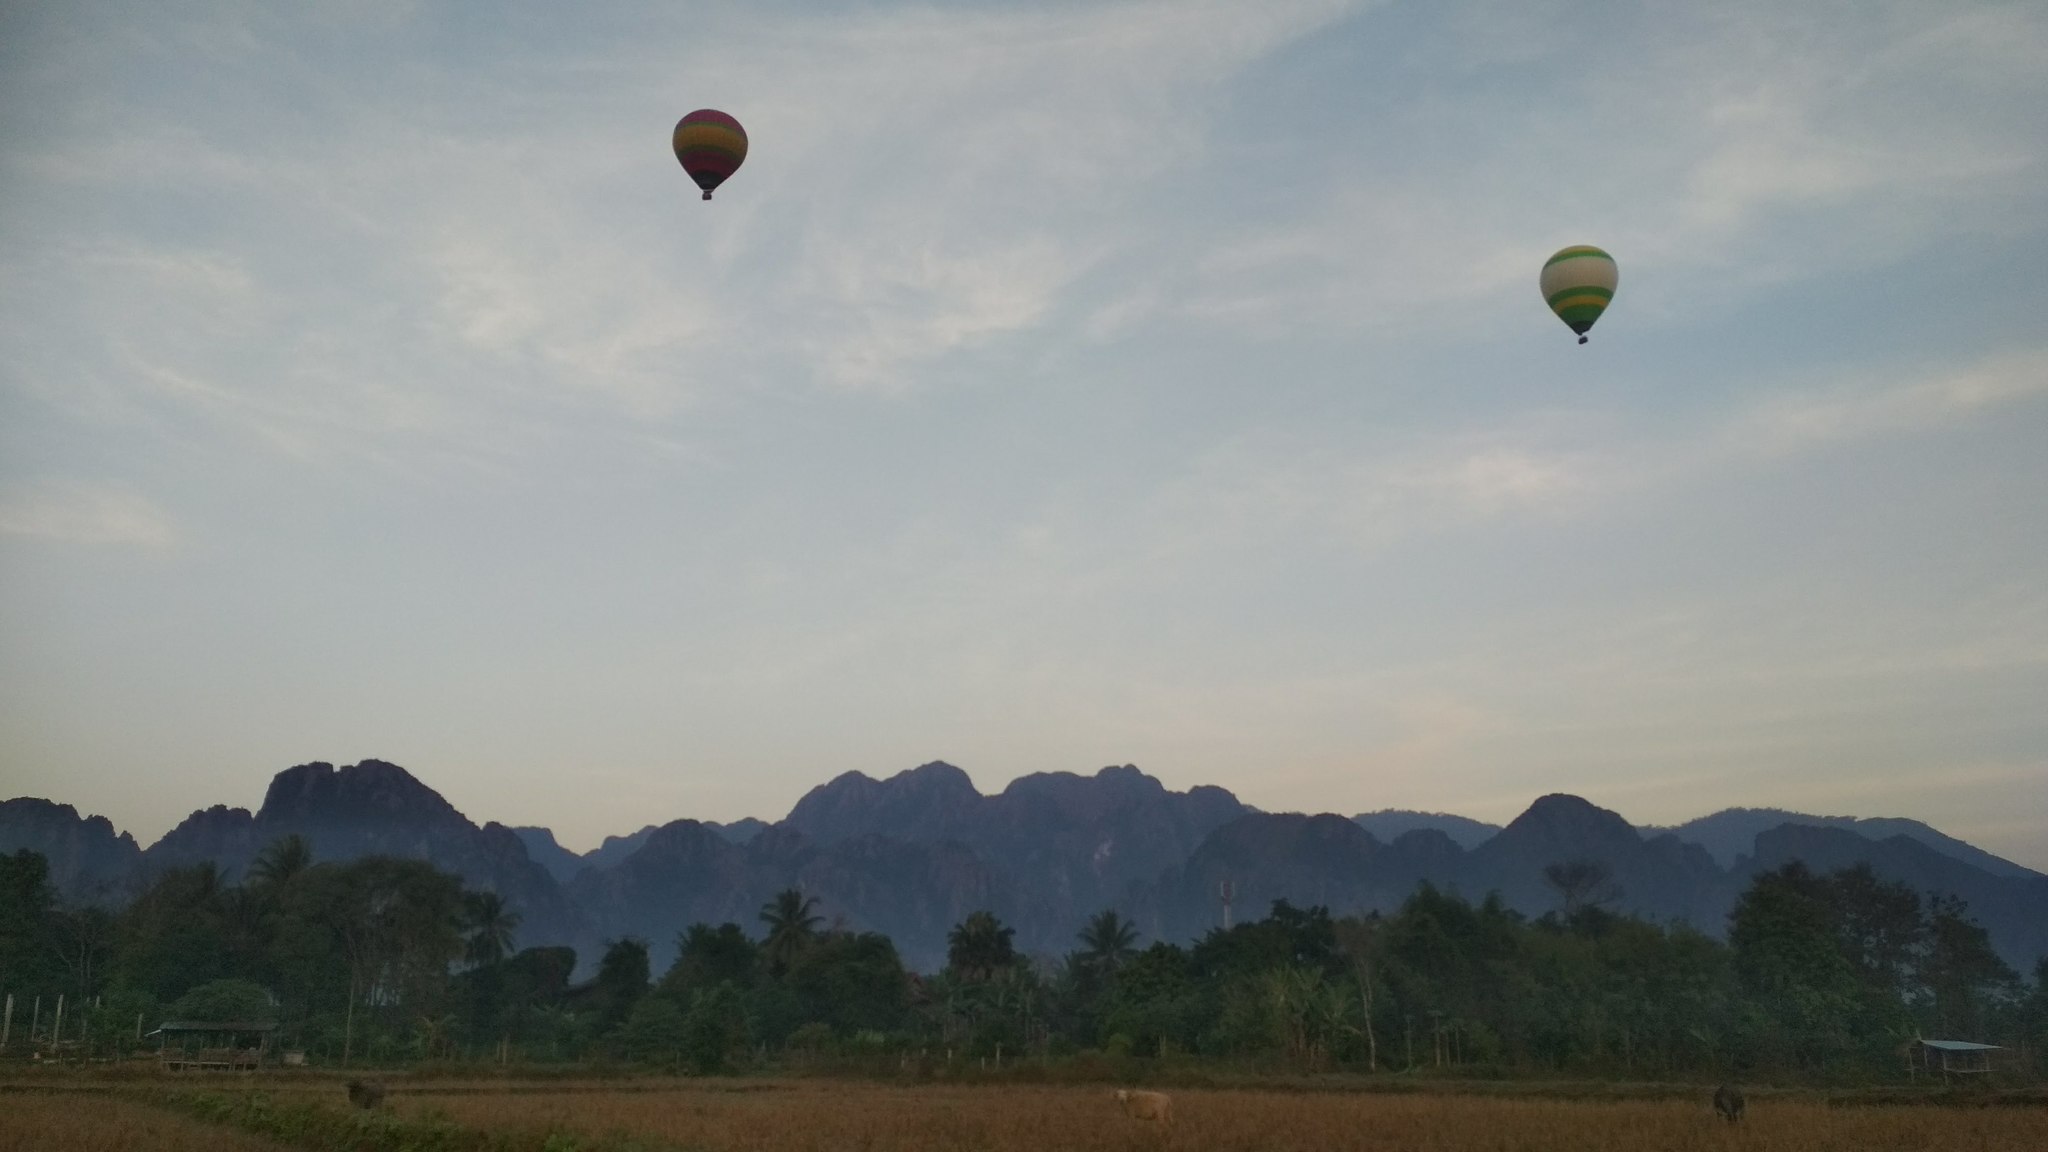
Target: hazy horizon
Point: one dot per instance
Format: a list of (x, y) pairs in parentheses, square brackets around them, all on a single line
[(1055, 385)]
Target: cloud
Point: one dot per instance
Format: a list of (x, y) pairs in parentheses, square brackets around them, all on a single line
[(1823, 416), (1258, 492), (959, 172), (414, 282), (1711, 150), (79, 512)]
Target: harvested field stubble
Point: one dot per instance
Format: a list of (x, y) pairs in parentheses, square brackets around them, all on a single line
[(78, 1122), (810, 1116)]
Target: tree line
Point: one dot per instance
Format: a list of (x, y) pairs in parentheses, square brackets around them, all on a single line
[(382, 960)]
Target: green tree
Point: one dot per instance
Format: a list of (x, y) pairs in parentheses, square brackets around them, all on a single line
[(2033, 1013), (622, 976), (706, 956), (281, 861), (654, 1032), (390, 928), (173, 935), (83, 940), (1966, 982), (120, 1018), (28, 943), (792, 926), (715, 1029), (1787, 956), (851, 981), (1108, 942), (1157, 1001), (1879, 928), (979, 947), (490, 925)]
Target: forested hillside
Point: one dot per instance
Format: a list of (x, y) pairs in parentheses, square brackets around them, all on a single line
[(380, 959)]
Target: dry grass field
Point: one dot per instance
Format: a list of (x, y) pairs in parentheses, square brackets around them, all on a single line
[(813, 1116), (91, 1122)]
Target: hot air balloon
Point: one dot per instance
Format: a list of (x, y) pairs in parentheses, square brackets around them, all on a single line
[(1578, 283), (711, 147)]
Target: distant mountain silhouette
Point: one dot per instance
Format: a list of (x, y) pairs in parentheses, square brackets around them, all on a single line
[(616, 849), (376, 808), (687, 871), (1731, 833), (542, 849), (2013, 908), (739, 831), (1306, 860), (89, 861), (1661, 878), (1390, 824), (912, 854), (565, 865), (1078, 841)]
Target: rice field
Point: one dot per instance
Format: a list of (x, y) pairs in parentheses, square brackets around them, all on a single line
[(93, 1122), (856, 1116), (812, 1116)]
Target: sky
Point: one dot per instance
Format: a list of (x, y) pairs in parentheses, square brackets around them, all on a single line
[(1055, 386)]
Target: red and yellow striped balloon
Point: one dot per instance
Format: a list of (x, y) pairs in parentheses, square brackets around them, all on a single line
[(711, 146)]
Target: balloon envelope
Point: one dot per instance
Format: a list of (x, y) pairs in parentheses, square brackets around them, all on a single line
[(710, 146), (1578, 284)]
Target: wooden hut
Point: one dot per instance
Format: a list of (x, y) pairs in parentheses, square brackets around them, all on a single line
[(1951, 1057), (214, 1045)]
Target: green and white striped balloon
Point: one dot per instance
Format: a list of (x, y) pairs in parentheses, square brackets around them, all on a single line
[(1578, 284)]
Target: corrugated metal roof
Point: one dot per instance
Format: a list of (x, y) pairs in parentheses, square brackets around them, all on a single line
[(1961, 1046)]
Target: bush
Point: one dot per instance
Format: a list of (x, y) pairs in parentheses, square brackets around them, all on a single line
[(655, 1032), (715, 1029), (221, 1001)]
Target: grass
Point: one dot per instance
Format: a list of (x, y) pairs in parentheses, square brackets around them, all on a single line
[(309, 1111), (82, 1122), (814, 1116)]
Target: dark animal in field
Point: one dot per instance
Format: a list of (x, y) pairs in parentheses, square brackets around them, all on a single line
[(366, 1093), (1728, 1102)]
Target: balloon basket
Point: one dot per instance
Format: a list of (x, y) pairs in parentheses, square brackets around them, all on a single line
[(707, 195)]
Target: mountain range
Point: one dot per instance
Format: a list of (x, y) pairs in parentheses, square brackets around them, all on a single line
[(912, 854)]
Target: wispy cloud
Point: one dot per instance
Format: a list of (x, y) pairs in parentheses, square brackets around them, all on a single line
[(81, 512), (924, 183), (1764, 144), (1942, 395)]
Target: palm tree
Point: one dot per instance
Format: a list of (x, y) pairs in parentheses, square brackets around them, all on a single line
[(979, 946), (198, 884), (791, 928), (490, 925), (621, 978), (281, 860), (1108, 942)]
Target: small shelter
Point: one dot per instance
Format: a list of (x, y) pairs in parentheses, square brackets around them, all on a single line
[(1951, 1057), (214, 1045)]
